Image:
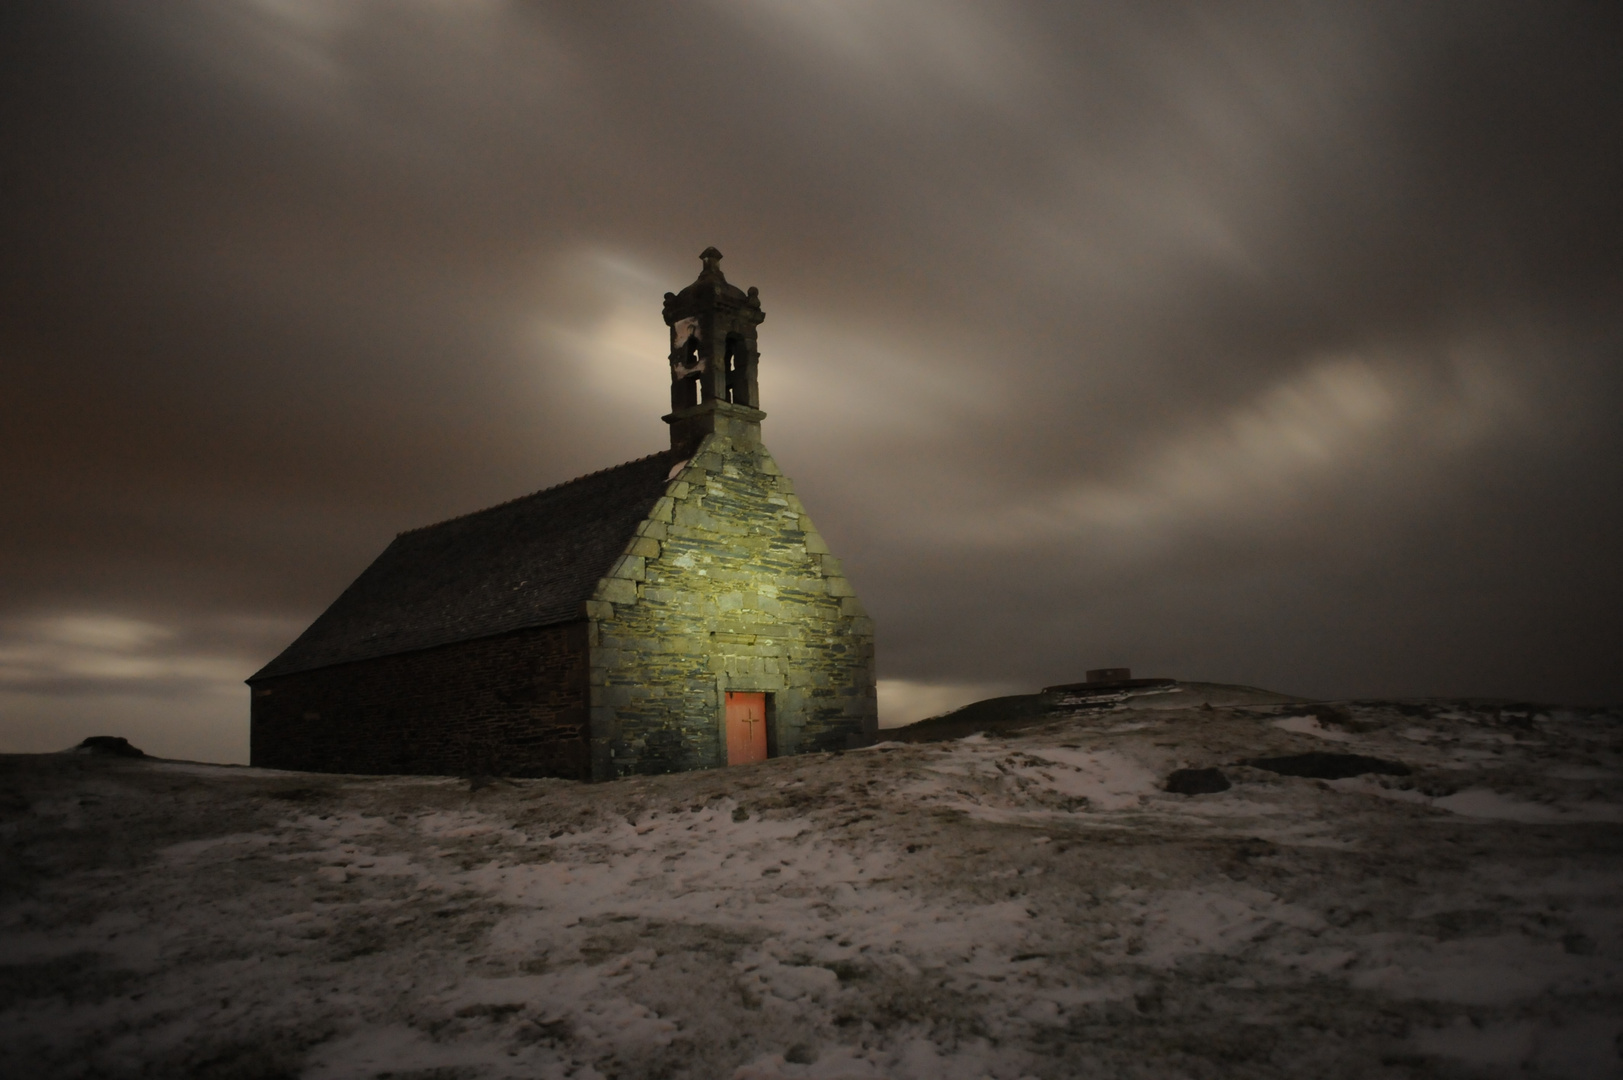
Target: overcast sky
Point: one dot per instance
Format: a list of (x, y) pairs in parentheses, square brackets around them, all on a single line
[(1274, 344)]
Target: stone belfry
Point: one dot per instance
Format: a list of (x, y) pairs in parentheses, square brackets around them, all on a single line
[(713, 359)]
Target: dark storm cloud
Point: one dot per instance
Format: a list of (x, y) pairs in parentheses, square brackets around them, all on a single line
[(1269, 343)]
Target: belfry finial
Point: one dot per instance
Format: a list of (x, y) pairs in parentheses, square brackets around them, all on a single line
[(712, 268)]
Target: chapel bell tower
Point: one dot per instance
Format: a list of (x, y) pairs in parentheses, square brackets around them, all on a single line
[(713, 359)]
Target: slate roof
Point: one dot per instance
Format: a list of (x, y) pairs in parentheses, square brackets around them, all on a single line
[(529, 562)]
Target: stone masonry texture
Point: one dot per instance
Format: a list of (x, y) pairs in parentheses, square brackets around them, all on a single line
[(726, 586), (723, 585), (510, 705)]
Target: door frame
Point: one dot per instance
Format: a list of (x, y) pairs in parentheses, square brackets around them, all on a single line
[(771, 699)]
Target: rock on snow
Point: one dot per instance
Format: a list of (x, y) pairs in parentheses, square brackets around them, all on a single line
[(1037, 905)]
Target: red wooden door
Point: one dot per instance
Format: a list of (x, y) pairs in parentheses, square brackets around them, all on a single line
[(746, 728)]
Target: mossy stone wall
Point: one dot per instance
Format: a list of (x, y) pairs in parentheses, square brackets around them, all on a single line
[(727, 586)]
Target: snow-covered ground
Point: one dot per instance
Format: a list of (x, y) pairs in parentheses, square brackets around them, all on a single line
[(1032, 906)]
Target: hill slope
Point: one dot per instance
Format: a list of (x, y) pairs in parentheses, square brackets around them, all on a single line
[(1023, 905), (1018, 712)]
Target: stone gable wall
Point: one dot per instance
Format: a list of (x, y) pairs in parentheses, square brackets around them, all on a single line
[(727, 586), (510, 705)]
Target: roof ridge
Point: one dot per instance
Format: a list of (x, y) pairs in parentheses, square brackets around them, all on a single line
[(533, 494)]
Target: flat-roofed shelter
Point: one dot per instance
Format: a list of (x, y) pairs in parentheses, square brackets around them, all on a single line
[(676, 612)]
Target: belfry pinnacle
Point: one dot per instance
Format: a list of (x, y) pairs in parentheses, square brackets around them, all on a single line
[(712, 269)]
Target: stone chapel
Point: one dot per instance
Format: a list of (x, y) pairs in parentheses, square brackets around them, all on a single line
[(676, 612)]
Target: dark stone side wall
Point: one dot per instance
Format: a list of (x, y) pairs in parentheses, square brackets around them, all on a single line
[(512, 705), (727, 586)]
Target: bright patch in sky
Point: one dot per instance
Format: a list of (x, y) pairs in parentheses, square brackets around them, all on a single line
[(1334, 420), (903, 701)]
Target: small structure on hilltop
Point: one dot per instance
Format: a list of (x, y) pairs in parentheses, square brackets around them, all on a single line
[(1104, 687), (675, 612)]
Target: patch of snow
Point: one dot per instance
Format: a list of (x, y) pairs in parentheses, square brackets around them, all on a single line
[(1484, 803), (1370, 785), (1495, 970), (1044, 779), (393, 1048), (1188, 922), (1310, 725), (190, 850)]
